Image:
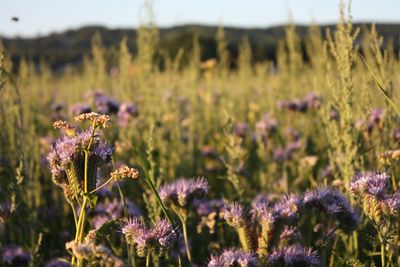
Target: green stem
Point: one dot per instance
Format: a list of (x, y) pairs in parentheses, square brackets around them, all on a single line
[(185, 236), (101, 186), (382, 249), (148, 260), (332, 258), (74, 213)]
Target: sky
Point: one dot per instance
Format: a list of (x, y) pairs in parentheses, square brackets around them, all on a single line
[(41, 17)]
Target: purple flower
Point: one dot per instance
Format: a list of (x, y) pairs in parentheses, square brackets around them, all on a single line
[(335, 205), (57, 263), (105, 104), (288, 235), (235, 215), (158, 239), (203, 207), (312, 100), (375, 118), (373, 183), (287, 208), (240, 129), (14, 255), (295, 256), (183, 192), (79, 109), (126, 112), (234, 257), (67, 157), (267, 124), (393, 202), (287, 153)]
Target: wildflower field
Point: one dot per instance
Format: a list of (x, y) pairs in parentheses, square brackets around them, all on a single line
[(121, 162)]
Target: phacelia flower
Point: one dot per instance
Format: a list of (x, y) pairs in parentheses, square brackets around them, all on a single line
[(57, 262), (294, 256), (67, 160), (288, 208), (373, 183), (14, 255), (157, 239), (234, 257), (183, 192), (235, 215), (79, 109), (105, 104), (335, 205), (126, 112), (289, 235), (375, 118)]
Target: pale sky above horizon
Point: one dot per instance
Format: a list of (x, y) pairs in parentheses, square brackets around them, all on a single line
[(41, 17)]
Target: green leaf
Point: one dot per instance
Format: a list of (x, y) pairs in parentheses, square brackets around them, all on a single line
[(384, 92), (91, 198)]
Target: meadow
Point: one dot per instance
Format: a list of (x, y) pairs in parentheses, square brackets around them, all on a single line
[(121, 162)]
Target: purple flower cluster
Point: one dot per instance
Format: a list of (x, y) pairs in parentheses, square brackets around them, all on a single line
[(267, 124), (79, 109), (373, 183), (375, 118), (333, 204), (203, 207), (241, 129), (281, 154), (14, 255), (126, 112), (374, 188), (105, 104), (183, 192), (294, 256), (235, 215), (57, 262), (67, 157), (288, 208), (308, 102), (157, 239), (234, 257)]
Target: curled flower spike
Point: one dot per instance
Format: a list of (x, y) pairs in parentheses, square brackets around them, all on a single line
[(96, 119), (69, 130), (294, 256), (158, 239), (289, 235), (124, 173), (183, 192), (234, 257), (235, 215)]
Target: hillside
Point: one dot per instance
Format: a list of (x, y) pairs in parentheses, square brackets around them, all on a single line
[(69, 47)]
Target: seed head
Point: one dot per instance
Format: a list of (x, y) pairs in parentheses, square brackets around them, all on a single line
[(125, 173), (96, 119)]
